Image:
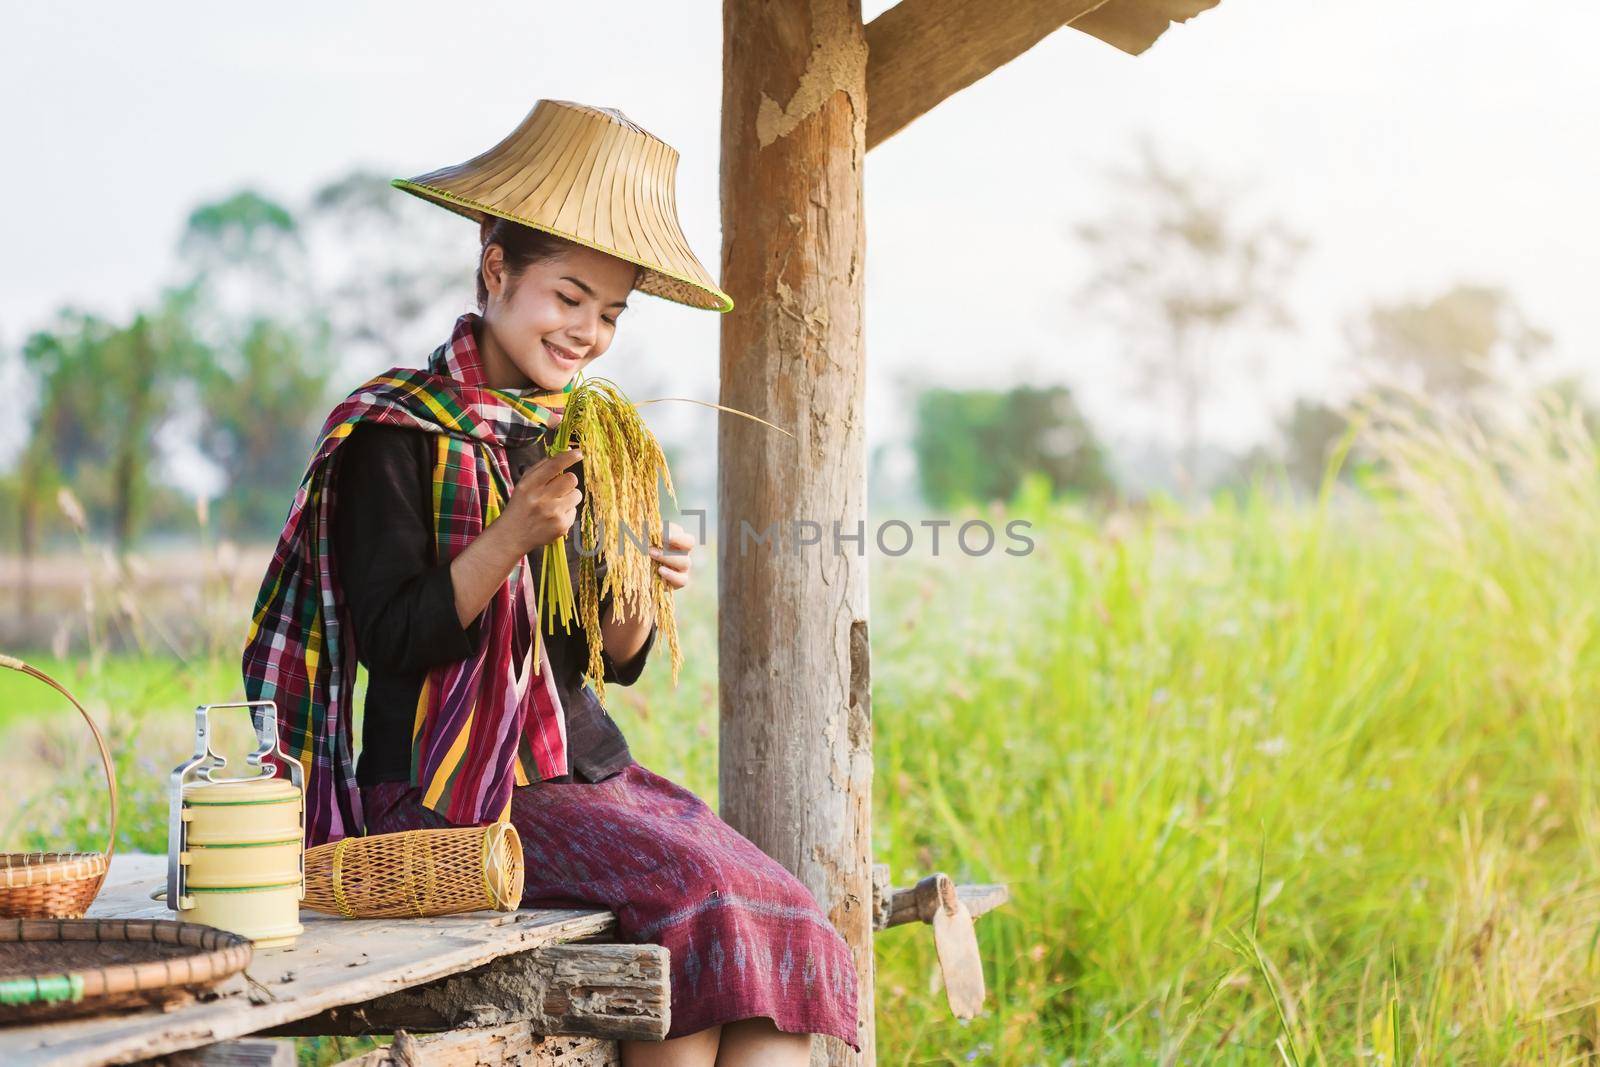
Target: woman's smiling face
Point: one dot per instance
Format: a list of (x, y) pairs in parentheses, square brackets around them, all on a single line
[(554, 318)]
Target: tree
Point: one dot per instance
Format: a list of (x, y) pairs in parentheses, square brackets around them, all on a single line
[(974, 446), (267, 329), (263, 401), (1456, 348), (145, 365), (1309, 434), (1180, 276), (391, 264), (59, 437), (248, 259), (105, 393)]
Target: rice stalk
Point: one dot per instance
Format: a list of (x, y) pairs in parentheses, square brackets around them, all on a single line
[(624, 466), (623, 462)]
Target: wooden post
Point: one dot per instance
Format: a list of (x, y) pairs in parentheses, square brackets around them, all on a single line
[(796, 728)]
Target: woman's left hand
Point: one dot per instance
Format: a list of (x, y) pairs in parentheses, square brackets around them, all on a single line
[(674, 562)]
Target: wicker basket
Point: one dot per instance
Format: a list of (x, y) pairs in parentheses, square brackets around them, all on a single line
[(50, 968), (56, 885), (417, 872)]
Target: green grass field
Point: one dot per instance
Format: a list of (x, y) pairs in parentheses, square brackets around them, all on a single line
[(1270, 783)]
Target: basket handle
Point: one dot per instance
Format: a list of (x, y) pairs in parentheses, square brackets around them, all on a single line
[(105, 753)]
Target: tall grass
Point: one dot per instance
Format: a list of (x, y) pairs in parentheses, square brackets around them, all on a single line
[(1270, 783)]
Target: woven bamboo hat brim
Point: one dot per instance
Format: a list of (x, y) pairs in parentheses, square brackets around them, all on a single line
[(591, 175)]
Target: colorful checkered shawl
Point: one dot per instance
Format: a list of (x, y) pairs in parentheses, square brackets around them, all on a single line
[(481, 723)]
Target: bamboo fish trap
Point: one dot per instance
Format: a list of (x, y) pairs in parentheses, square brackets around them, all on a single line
[(416, 873)]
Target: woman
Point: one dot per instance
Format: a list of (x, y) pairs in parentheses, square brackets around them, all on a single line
[(412, 548)]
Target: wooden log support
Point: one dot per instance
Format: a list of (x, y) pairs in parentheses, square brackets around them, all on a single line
[(923, 51), (616, 992), (794, 650), (498, 1046), (245, 1052), (1133, 25), (894, 907), (794, 681)]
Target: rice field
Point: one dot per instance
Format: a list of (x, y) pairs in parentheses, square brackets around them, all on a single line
[(1271, 782)]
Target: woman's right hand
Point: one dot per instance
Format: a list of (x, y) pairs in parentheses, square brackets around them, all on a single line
[(544, 502)]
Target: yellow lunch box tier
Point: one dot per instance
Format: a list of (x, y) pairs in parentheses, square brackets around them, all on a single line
[(259, 811), (240, 865), (233, 831), (269, 915), (223, 793)]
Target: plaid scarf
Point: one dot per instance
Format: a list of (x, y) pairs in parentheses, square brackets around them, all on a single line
[(481, 723)]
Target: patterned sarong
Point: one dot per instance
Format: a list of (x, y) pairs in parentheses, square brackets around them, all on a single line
[(744, 936)]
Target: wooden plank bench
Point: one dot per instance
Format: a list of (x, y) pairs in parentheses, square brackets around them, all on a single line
[(538, 986), (551, 966)]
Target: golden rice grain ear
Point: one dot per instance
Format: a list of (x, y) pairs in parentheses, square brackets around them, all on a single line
[(622, 464)]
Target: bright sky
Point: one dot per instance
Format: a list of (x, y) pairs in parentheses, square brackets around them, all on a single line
[(1415, 144)]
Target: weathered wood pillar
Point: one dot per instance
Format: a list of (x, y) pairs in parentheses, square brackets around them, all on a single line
[(796, 727)]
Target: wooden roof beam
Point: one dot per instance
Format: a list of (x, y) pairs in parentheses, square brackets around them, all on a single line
[(922, 51)]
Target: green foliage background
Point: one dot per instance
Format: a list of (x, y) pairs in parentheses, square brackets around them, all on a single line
[(976, 445), (1305, 783)]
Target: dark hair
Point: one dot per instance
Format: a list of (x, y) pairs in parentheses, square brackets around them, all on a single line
[(523, 246)]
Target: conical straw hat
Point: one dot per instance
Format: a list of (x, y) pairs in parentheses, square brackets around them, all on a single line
[(591, 175)]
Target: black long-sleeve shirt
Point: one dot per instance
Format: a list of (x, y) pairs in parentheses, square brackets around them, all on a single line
[(401, 603)]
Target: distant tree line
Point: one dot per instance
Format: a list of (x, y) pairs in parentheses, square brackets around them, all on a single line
[(973, 446), (229, 367)]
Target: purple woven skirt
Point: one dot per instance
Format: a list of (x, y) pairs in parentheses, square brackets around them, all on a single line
[(746, 937)]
